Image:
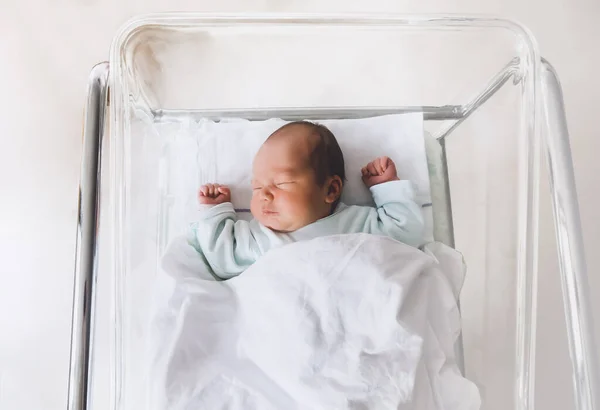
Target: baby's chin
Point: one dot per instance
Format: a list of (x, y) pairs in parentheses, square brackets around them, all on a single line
[(277, 226)]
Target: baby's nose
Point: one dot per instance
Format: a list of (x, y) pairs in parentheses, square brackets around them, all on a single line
[(267, 195)]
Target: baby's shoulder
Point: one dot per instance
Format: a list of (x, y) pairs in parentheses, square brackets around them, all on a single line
[(344, 211), (351, 209)]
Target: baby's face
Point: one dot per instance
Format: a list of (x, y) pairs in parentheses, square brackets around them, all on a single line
[(286, 196)]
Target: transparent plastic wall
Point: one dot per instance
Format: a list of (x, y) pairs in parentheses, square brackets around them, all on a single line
[(171, 69)]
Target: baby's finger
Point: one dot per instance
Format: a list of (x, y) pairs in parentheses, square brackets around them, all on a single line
[(371, 169), (377, 166), (383, 163), (203, 190), (223, 190), (364, 171)]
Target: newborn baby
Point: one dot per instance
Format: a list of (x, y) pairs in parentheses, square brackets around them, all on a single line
[(298, 177)]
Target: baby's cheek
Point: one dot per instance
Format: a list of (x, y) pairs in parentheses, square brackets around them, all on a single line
[(254, 208), (298, 206)]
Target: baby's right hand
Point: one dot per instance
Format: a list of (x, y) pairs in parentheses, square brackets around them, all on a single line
[(378, 171), (214, 194)]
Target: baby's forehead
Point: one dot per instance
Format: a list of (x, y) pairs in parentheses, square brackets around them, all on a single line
[(283, 158), (289, 149)]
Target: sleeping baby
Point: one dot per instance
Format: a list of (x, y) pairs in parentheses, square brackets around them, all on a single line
[(297, 182)]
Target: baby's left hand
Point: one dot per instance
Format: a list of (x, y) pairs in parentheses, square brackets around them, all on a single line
[(378, 171), (214, 194)]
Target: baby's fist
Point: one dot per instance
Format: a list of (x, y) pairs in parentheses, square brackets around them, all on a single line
[(214, 194), (378, 171)]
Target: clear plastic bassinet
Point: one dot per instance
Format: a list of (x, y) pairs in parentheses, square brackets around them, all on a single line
[(489, 100)]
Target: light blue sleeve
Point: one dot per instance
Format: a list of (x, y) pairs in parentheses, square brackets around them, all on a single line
[(397, 214), (228, 244)]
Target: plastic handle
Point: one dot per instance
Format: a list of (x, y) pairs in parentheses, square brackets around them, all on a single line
[(573, 270), (87, 233)]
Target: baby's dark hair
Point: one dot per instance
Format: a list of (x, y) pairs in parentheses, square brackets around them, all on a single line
[(326, 159)]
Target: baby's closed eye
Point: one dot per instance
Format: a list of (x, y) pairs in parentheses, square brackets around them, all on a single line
[(284, 183)]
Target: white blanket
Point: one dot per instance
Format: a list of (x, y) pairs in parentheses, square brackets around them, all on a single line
[(340, 322)]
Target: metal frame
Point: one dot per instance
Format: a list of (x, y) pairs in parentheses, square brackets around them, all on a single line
[(570, 243), (571, 255), (446, 112), (87, 240)]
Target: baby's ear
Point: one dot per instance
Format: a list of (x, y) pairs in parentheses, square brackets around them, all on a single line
[(334, 189)]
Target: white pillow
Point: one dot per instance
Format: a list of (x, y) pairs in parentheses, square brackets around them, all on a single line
[(222, 152)]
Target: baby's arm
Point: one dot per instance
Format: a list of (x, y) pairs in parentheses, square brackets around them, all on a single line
[(227, 244), (397, 214)]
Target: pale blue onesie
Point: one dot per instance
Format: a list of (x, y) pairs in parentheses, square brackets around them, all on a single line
[(230, 245)]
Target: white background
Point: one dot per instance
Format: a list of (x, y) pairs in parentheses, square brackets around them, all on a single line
[(46, 51)]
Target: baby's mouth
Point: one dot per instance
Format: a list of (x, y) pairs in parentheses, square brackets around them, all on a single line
[(268, 212)]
